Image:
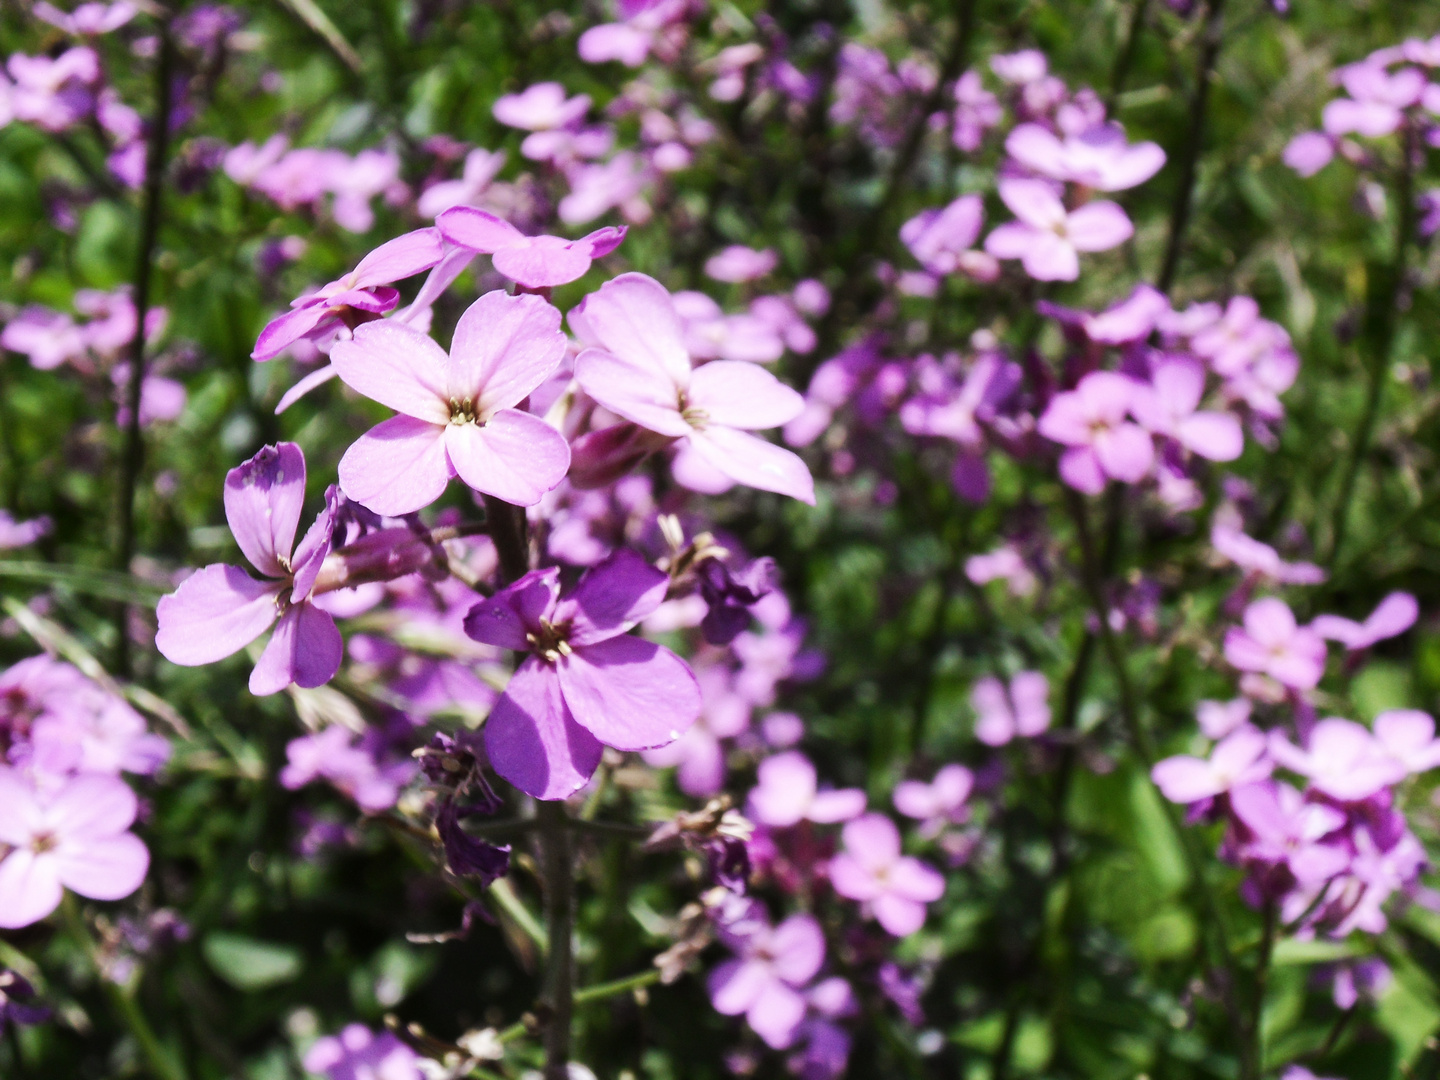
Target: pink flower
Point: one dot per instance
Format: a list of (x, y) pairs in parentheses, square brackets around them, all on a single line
[(1169, 405), (88, 18), (638, 367), (15, 534), (1002, 715), (1309, 152), (1284, 829), (48, 338), (1392, 616), (358, 1053), (70, 837), (1099, 158), (458, 413), (334, 755), (1048, 239), (535, 262), (1273, 645), (894, 888), (220, 609), (698, 755), (1002, 563), (764, 981), (1219, 718), (1103, 445), (938, 803), (1129, 321), (740, 263), (481, 167), (585, 682), (786, 793), (1240, 758), (541, 107), (362, 294), (941, 240), (1379, 100), (1262, 560), (1343, 760), (1408, 737)]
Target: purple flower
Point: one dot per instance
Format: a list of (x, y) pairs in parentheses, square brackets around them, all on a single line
[(1021, 711), (639, 368), (1342, 760), (535, 262), (1379, 100), (739, 263), (765, 978), (1219, 718), (941, 240), (17, 534), (1098, 158), (1169, 405), (1282, 828), (17, 1001), (698, 755), (72, 836), (1003, 563), (730, 596), (1102, 444), (787, 793), (1392, 616), (893, 887), (88, 18), (586, 681), (1240, 758), (1262, 560), (541, 107), (48, 338), (939, 803), (220, 609), (1047, 238), (1272, 644), (1408, 737), (358, 1053), (360, 295), (1309, 152), (459, 412), (333, 754)]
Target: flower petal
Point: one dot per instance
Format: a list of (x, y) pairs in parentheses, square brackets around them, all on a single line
[(532, 739), (263, 499), (305, 649), (398, 367), (515, 456), (105, 869), (1098, 226), (504, 347), (478, 230), (750, 460), (405, 256), (541, 266), (92, 807), (639, 391), (634, 317), (629, 693), (216, 611), (612, 597), (29, 888), (397, 467), (737, 394)]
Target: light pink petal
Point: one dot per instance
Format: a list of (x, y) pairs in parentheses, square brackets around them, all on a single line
[(1244, 652), (215, 612), (398, 367), (612, 597), (615, 41), (898, 915), (1185, 779), (20, 813), (516, 456), (874, 840), (639, 391), (478, 230), (89, 807), (1011, 240), (1338, 628), (397, 467), (29, 888), (601, 242), (1126, 452), (306, 649), (750, 460), (629, 693), (785, 790), (1179, 385), (1134, 165), (776, 1015), (1050, 258), (284, 330), (733, 393), (736, 984), (852, 879), (542, 267), (1213, 435), (504, 347), (829, 807), (915, 880), (1270, 621), (1404, 729), (634, 317), (1098, 226), (1066, 420), (263, 498), (1037, 149), (798, 949), (1033, 202), (533, 741), (1030, 693), (1080, 468), (915, 799), (405, 256), (1392, 616), (107, 869)]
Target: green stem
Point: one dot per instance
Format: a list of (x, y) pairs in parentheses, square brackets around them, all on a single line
[(132, 456), (1262, 980), (616, 986), (1125, 59), (160, 1060), (505, 897), (560, 919), (1189, 154)]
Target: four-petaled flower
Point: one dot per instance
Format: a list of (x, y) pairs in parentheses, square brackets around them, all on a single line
[(893, 887), (1047, 239), (536, 262)]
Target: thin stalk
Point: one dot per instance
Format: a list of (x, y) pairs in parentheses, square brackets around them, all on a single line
[(133, 453), (157, 1057), (1262, 981), (1125, 58), (1210, 40), (559, 920), (1384, 286), (617, 986), (507, 527), (503, 895)]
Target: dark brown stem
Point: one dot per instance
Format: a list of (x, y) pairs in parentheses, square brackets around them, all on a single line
[(133, 454), (559, 921), (1210, 40), (508, 528)]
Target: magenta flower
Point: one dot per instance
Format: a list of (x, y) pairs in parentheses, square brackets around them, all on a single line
[(358, 1053), (334, 755), (1102, 444), (787, 793), (1098, 158), (894, 888), (941, 239), (1408, 736), (220, 609), (638, 367), (1309, 152), (1169, 405), (1047, 238), (698, 755), (764, 981), (1286, 830), (1378, 100), (88, 18), (458, 413), (939, 803), (535, 262), (1343, 760), (1273, 645), (1021, 711), (360, 295), (16, 534), (1240, 758), (586, 681), (1219, 718), (49, 338), (541, 107), (1004, 563), (68, 837), (630, 41), (1392, 616), (1262, 560), (739, 263), (1129, 321)]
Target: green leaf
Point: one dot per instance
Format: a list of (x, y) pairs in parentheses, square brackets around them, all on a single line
[(248, 964)]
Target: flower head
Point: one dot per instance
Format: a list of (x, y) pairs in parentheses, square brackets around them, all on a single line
[(532, 261), (893, 887)]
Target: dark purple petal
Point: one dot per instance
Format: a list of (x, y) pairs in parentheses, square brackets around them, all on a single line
[(263, 498), (630, 693), (532, 739), (305, 649), (612, 597)]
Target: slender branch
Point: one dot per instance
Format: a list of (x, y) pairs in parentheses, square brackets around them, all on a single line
[(559, 920), (1262, 980), (1210, 41), (132, 456), (1125, 59), (507, 528), (501, 892), (617, 986)]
